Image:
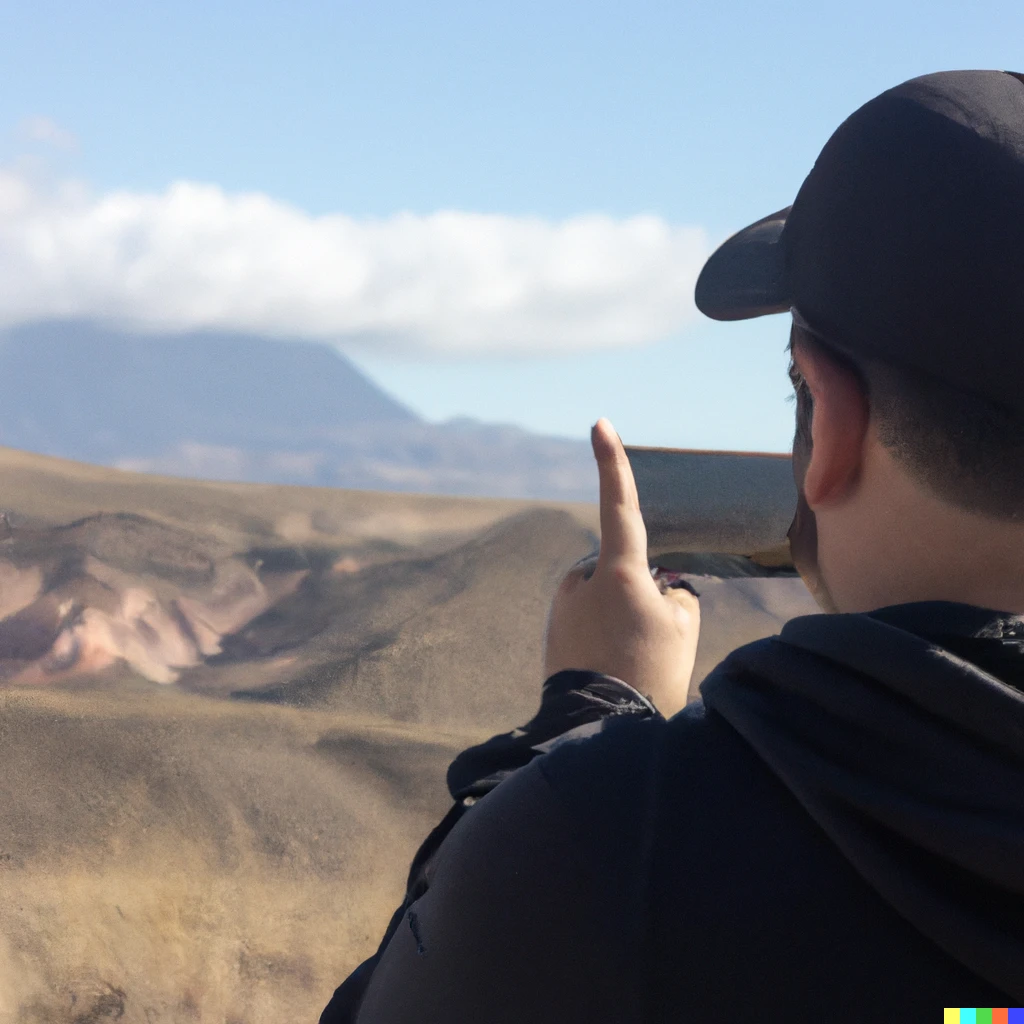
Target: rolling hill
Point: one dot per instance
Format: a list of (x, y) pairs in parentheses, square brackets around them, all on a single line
[(226, 711)]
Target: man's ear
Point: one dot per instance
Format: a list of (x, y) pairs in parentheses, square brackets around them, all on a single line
[(838, 426)]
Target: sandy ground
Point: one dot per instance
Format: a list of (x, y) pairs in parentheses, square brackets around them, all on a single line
[(225, 716), (178, 859)]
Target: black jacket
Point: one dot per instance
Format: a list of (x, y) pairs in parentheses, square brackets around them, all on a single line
[(836, 832)]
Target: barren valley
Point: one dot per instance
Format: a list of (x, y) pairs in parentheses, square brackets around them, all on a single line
[(226, 711)]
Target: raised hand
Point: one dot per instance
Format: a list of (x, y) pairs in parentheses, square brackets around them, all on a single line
[(613, 617)]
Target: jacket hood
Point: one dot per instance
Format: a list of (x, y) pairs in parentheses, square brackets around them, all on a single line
[(901, 731)]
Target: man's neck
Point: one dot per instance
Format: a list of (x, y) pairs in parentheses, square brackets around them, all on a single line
[(912, 549)]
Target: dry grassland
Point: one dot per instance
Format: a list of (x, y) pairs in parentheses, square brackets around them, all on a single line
[(167, 858), (227, 846)]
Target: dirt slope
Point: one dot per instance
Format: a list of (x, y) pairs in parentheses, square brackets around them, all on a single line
[(167, 858), (225, 716)]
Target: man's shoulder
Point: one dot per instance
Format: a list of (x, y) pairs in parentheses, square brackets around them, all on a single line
[(630, 751), (637, 776), (631, 747)]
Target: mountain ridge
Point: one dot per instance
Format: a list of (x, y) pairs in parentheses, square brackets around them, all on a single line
[(236, 407)]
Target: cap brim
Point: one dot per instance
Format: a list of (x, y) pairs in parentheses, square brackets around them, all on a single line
[(745, 276)]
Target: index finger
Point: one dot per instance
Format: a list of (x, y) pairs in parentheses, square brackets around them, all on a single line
[(623, 534)]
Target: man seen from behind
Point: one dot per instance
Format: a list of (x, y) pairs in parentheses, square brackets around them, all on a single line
[(835, 830)]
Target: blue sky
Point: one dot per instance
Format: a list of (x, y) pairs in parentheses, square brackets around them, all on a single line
[(537, 114)]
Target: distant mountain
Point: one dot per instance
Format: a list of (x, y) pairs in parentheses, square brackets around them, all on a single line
[(238, 407), (97, 394)]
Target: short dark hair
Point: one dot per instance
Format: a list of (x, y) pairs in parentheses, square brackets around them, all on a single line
[(965, 449)]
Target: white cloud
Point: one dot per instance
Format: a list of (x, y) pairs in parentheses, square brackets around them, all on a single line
[(43, 129), (450, 282)]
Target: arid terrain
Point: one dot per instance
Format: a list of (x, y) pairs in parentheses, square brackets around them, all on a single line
[(226, 711)]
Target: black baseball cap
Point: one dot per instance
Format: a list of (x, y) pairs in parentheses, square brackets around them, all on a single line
[(906, 240)]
